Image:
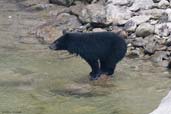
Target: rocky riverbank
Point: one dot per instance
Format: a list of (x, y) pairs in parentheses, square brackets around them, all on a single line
[(145, 24)]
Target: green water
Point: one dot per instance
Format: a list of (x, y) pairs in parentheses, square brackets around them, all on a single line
[(34, 81)]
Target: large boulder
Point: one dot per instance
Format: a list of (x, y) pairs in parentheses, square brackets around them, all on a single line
[(144, 30), (93, 13), (117, 14), (141, 4), (153, 13), (140, 19), (65, 21), (160, 58), (138, 42), (51, 30)]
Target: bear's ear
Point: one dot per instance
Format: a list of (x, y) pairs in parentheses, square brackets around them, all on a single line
[(65, 31)]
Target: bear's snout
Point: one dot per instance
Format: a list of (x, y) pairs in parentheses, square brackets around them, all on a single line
[(52, 47)]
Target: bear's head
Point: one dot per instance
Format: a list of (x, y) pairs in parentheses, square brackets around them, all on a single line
[(60, 43)]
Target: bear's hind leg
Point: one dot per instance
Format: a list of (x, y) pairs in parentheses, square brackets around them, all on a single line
[(111, 69), (107, 67)]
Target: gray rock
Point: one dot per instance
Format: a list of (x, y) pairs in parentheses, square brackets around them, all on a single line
[(153, 22), (117, 14), (141, 4), (156, 1), (168, 42), (140, 19), (162, 30), (161, 48), (98, 30), (39, 7), (120, 2), (78, 89), (28, 3), (61, 2), (169, 48), (66, 20), (47, 34), (138, 42), (150, 48), (130, 26), (144, 30), (163, 4), (168, 11), (134, 53), (93, 13), (159, 56), (152, 38), (49, 31), (164, 18), (169, 25), (154, 13)]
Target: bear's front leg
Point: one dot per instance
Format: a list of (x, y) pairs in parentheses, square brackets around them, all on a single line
[(95, 73)]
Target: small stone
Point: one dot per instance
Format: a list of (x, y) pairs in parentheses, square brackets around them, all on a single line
[(162, 30), (98, 30), (163, 4), (130, 26), (150, 48), (138, 42), (120, 2), (168, 11), (9, 17), (153, 13), (153, 22), (133, 53)]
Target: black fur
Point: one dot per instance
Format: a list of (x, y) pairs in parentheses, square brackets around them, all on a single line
[(101, 50)]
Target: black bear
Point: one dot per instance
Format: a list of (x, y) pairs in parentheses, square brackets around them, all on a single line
[(101, 50)]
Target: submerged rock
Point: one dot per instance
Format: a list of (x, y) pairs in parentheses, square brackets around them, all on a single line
[(164, 107), (78, 88)]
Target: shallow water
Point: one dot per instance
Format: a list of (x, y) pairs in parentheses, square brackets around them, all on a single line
[(34, 81)]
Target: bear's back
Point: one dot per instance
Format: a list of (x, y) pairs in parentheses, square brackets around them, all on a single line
[(96, 44)]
